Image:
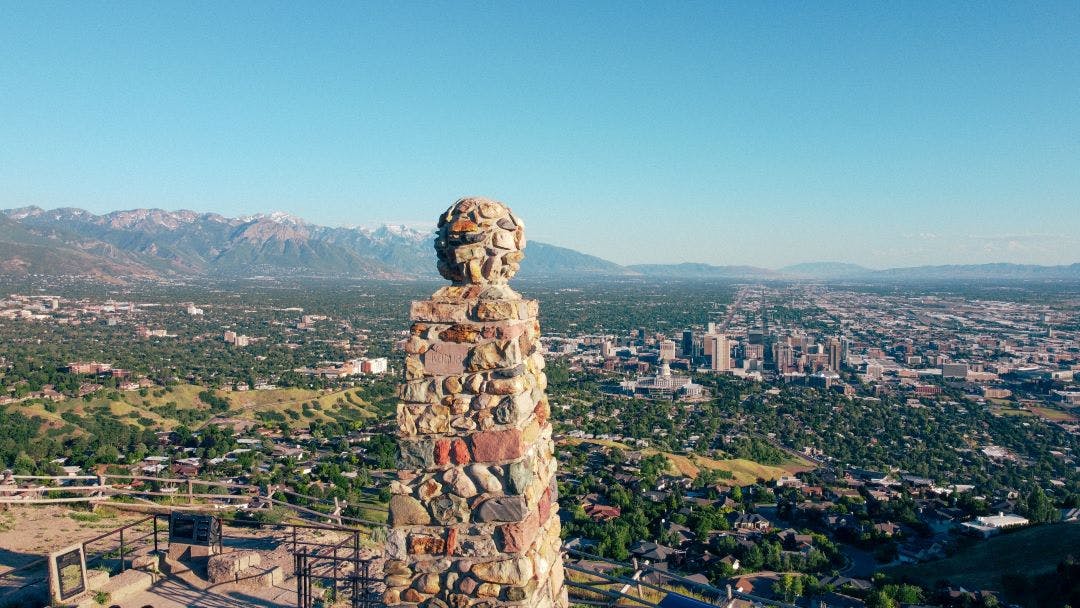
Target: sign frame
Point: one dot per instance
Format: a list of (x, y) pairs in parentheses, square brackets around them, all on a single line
[(61, 561), (194, 529)]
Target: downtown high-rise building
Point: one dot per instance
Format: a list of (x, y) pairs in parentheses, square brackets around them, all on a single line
[(667, 350), (836, 352), (784, 356), (720, 347)]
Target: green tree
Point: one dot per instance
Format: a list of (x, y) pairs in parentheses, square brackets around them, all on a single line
[(789, 586), (1038, 507), (879, 599)]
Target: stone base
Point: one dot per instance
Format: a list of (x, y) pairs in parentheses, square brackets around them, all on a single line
[(181, 551), (121, 587), (258, 576), (226, 568), (96, 579), (171, 567), (149, 562)]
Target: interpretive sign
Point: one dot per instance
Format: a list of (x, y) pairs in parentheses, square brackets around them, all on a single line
[(67, 573), (193, 529)]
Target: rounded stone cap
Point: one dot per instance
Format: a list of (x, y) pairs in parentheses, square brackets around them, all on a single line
[(479, 241)]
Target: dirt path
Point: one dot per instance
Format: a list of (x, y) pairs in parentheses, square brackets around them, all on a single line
[(27, 533)]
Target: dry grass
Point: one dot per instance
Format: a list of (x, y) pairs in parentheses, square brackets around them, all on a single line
[(743, 471), (243, 405), (1054, 414), (648, 594)]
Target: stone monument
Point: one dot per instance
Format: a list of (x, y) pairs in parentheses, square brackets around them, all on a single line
[(473, 514)]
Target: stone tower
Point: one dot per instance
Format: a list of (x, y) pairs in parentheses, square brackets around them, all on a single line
[(473, 516)]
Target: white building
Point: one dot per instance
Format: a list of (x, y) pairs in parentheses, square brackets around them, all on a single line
[(989, 525), (663, 384)]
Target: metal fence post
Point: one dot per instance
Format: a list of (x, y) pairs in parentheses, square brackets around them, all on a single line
[(155, 534), (122, 550), (359, 591), (299, 578), (356, 589), (307, 580)]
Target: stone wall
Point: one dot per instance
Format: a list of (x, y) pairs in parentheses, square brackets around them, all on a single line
[(473, 514)]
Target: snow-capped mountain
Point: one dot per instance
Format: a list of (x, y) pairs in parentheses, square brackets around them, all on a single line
[(156, 242)]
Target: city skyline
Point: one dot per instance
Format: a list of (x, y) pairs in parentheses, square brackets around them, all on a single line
[(737, 134)]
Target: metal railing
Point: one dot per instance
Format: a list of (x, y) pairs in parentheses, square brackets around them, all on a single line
[(691, 585), (121, 542), (182, 488), (121, 546), (110, 550), (347, 576)]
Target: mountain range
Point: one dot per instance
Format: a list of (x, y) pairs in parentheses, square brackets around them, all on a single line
[(152, 243), (158, 244)]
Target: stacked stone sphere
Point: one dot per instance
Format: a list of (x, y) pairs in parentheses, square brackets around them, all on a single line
[(473, 515), (479, 242)]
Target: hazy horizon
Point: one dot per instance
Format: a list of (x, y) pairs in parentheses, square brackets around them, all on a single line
[(731, 134), (430, 227)]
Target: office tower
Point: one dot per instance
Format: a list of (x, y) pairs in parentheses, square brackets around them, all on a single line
[(784, 357), (721, 351), (954, 370), (768, 350), (835, 354), (688, 344), (667, 350)]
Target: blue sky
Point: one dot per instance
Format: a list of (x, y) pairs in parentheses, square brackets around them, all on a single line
[(731, 133)]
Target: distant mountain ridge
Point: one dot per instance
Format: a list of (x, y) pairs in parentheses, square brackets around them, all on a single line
[(692, 270), (154, 243), (160, 244), (836, 271), (826, 270), (999, 270), (1004, 271)]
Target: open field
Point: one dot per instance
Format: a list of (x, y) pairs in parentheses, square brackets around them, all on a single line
[(1009, 410), (744, 472), (1054, 414), (1030, 552), (168, 408), (604, 442), (322, 405)]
